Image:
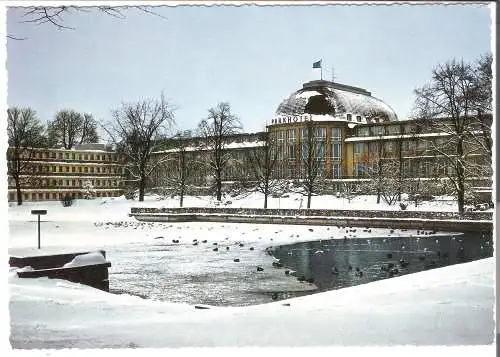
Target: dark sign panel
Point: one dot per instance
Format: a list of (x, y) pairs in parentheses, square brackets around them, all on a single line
[(38, 211)]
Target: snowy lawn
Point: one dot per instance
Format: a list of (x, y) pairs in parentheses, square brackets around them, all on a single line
[(447, 306)]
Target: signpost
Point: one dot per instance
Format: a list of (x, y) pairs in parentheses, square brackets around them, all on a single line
[(39, 212)]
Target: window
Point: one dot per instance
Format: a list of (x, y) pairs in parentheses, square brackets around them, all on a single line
[(290, 134), (290, 151), (407, 146), (319, 150), (378, 130), (47, 196), (98, 169), (336, 171), (363, 131), (393, 129), (421, 145), (409, 128), (67, 182), (66, 156), (73, 183), (349, 117), (67, 168), (92, 169), (60, 155), (92, 157), (358, 118), (336, 134), (336, 151), (73, 169), (358, 148), (98, 182), (86, 169), (359, 169), (320, 133), (373, 147), (60, 182), (425, 168), (389, 146), (72, 156), (79, 169), (304, 134)]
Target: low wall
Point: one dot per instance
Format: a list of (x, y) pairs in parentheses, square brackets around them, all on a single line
[(45, 261), (51, 266), (482, 216), (385, 219)]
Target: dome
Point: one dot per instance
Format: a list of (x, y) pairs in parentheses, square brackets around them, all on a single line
[(324, 100)]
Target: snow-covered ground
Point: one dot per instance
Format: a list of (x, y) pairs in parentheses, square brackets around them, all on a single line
[(446, 306)]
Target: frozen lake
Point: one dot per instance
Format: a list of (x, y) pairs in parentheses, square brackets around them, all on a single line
[(207, 273)]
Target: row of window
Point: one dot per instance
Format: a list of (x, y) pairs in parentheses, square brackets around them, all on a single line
[(317, 132), (422, 169), (384, 130), (72, 182), (73, 156), (39, 196), (319, 151), (80, 169), (358, 118)]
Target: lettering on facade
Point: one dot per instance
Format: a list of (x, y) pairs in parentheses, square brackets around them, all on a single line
[(286, 119)]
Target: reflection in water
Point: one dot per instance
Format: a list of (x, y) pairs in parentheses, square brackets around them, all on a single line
[(335, 264)]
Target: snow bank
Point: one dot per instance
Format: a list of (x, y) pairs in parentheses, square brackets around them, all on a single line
[(446, 306), (86, 259)]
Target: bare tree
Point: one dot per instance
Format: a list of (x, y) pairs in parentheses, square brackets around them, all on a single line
[(179, 168), (262, 161), (137, 130), (349, 190), (448, 103), (375, 171), (214, 131), (70, 128), (56, 15), (483, 100), (89, 129), (25, 132), (312, 158)]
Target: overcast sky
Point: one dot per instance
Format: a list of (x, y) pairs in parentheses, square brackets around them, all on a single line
[(250, 56)]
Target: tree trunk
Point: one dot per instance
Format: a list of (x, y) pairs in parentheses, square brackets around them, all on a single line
[(461, 198), (181, 199), (309, 194), (266, 193), (218, 186), (142, 186), (18, 191)]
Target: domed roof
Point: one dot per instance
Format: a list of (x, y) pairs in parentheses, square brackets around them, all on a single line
[(334, 101)]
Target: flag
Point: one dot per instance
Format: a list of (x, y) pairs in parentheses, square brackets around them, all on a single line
[(317, 64)]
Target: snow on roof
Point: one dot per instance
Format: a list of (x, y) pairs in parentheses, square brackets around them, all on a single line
[(343, 100), (308, 94), (232, 145), (390, 137)]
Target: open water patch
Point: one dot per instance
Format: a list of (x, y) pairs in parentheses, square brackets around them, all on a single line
[(341, 263)]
